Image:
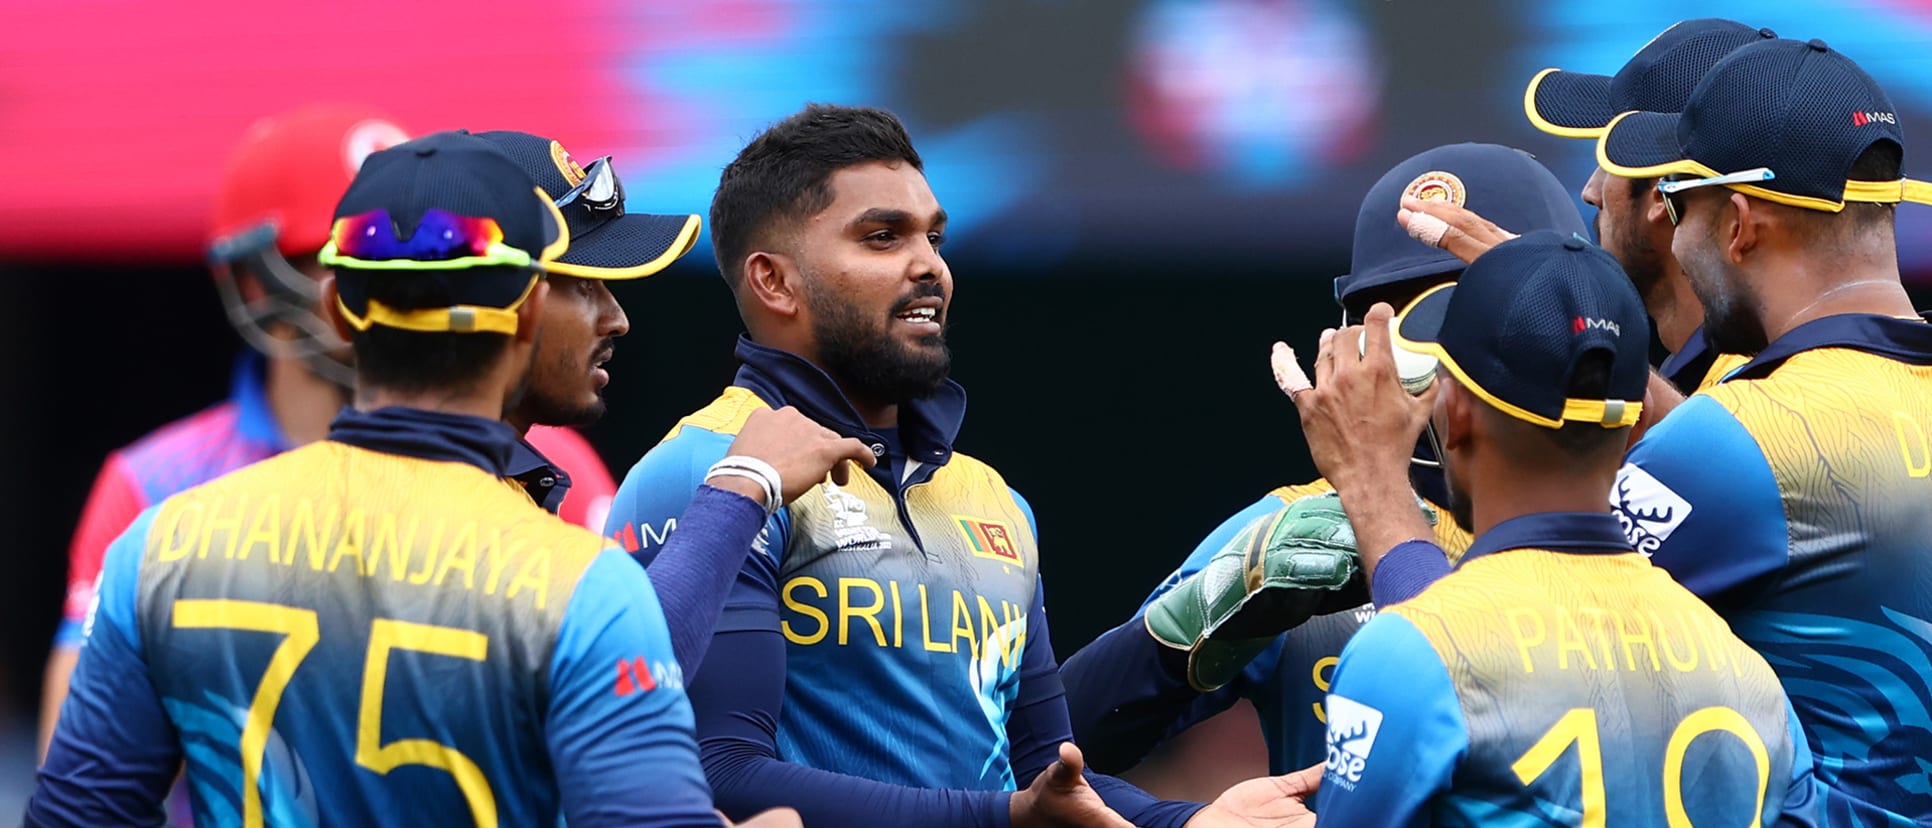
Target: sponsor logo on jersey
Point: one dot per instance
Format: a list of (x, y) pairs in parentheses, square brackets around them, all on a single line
[(1648, 509), (635, 675), (1352, 726), (989, 539)]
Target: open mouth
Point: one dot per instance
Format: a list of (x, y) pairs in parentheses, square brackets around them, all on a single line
[(920, 316)]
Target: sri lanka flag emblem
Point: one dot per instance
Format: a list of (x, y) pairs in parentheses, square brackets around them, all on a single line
[(990, 539)]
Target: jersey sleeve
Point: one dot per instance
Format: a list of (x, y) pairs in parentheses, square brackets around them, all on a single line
[(114, 502), (652, 501), (619, 727), (1698, 497), (1126, 693), (1395, 729), (587, 503), (114, 752)]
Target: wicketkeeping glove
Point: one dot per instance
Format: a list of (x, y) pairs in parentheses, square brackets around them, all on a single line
[(1270, 578)]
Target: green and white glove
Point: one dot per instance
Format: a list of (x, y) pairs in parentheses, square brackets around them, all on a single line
[(1268, 579)]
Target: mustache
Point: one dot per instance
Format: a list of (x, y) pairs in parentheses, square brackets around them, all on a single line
[(924, 291), (605, 351)]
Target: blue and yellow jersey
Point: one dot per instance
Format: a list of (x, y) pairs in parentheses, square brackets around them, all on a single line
[(904, 612), (1288, 682), (1557, 678), (1796, 497), (1698, 366), (374, 629)]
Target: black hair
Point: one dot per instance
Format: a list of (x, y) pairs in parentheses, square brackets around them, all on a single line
[(1573, 441), (417, 361), (783, 175), (1836, 233)]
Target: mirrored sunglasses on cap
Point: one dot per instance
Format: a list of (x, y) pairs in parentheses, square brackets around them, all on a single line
[(441, 241), (1671, 186), (600, 192)]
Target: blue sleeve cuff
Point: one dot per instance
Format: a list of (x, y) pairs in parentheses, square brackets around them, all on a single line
[(1406, 571)]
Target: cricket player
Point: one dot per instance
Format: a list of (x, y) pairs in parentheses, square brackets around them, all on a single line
[(1555, 676), (883, 656), (1791, 496), (381, 627), (272, 214), (1631, 222), (1131, 688)]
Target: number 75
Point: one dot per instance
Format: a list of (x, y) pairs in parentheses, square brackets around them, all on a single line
[(300, 635)]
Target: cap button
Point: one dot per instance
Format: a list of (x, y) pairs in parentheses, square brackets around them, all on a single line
[(1817, 45), (1767, 33), (1574, 243)]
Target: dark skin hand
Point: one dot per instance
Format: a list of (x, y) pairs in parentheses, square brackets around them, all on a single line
[(1361, 427)]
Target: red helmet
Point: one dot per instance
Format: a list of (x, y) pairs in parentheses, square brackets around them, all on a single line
[(276, 200), (291, 169)]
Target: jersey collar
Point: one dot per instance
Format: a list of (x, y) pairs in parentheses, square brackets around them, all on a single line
[(1586, 533), (1687, 367), (927, 426), (490, 445), (1905, 340), (544, 481)]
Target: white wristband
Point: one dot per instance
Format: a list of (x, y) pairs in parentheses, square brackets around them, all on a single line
[(757, 471)]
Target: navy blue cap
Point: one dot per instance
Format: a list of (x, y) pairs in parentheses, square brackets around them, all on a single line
[(461, 174), (1505, 185), (1799, 109), (1521, 319), (1659, 78), (606, 241)]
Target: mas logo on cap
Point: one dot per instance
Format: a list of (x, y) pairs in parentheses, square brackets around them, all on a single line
[(369, 137), (566, 164), (1436, 185)]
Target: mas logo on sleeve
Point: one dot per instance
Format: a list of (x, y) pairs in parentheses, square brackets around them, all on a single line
[(1352, 726), (1648, 509)]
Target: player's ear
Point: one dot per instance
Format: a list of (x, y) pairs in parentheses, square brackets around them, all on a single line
[(332, 308), (1743, 235), (773, 281), (1459, 410), (530, 313)]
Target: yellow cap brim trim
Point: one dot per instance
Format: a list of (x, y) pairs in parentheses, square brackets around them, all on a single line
[(686, 239), (1871, 192), (556, 248), (456, 319), (1606, 413), (1536, 118)]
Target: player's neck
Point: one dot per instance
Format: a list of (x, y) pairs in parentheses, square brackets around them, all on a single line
[(1854, 285), (1676, 309), (488, 406), (304, 404), (1529, 492)]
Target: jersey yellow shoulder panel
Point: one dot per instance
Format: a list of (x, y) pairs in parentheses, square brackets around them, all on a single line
[(1721, 366), (724, 415)]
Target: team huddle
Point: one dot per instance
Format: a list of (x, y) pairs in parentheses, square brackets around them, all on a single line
[(1539, 581)]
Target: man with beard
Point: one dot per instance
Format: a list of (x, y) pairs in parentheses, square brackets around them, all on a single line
[(1630, 221), (234, 618), (883, 656), (1792, 495), (272, 211), (1462, 704), (1158, 674)]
